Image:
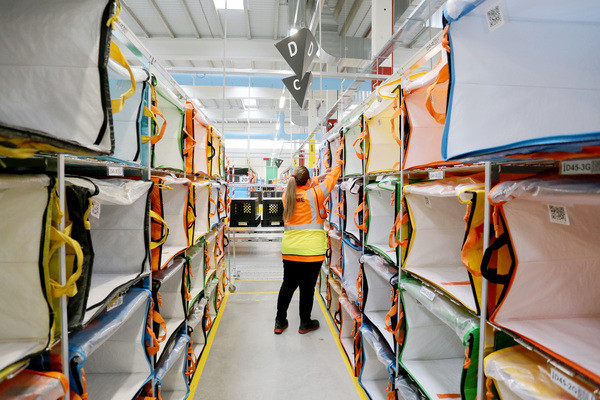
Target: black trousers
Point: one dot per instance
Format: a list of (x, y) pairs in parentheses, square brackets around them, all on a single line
[(298, 274)]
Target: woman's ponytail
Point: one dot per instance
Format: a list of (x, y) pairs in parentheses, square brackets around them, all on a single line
[(290, 199)]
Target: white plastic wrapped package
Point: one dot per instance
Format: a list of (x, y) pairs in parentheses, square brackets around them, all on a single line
[(167, 284), (381, 282), (197, 142), (438, 335), (352, 270), (53, 74), (216, 156), (353, 165), (436, 210), (378, 363), (210, 259), (27, 205), (354, 208), (168, 151), (551, 299), (423, 147), (521, 374), (196, 258), (196, 328), (119, 230), (336, 264), (383, 147), (335, 144), (381, 203), (505, 98), (202, 223), (170, 375), (173, 205), (213, 213), (112, 352), (30, 384), (130, 123), (336, 204), (349, 330)]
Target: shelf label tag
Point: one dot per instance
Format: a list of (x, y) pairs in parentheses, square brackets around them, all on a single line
[(434, 175), (429, 294), (95, 211), (580, 167), (115, 171), (558, 214), (494, 17), (115, 303), (569, 385)]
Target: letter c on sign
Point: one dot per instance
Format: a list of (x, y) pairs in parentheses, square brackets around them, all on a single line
[(292, 48), (297, 81)]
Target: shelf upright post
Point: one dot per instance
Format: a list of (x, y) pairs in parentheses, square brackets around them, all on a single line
[(62, 260), (484, 283), (400, 210)]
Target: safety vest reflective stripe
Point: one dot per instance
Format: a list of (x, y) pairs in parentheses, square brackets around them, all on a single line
[(303, 226)]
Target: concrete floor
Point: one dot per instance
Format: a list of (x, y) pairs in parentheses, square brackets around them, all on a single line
[(248, 361)]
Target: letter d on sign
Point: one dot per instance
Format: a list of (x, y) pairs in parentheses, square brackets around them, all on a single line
[(297, 84), (311, 49), (293, 48)]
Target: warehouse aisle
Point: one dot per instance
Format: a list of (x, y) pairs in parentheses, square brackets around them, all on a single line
[(248, 361)]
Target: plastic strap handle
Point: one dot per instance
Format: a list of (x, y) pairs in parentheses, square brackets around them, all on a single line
[(338, 209), (84, 394), (222, 205), (339, 154), (327, 159), (152, 113), (357, 346), (154, 244), (86, 215), (188, 273), (156, 317), (360, 139), (192, 360), (396, 114), (337, 316), (394, 242), (115, 54), (212, 214), (154, 347), (189, 146), (363, 226), (111, 21), (64, 238), (147, 113), (442, 77), (446, 40), (359, 282), (492, 276), (471, 241)]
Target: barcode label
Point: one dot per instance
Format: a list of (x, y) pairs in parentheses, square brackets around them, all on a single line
[(276, 223), (558, 214), (115, 171), (433, 175), (242, 223), (429, 294), (569, 385), (427, 201), (115, 303), (95, 211), (580, 167), (494, 17)]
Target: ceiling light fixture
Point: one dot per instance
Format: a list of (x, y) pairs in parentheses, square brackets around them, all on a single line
[(231, 4)]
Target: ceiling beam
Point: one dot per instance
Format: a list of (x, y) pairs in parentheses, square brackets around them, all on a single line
[(218, 17), (271, 72), (189, 14), (135, 18), (351, 15), (338, 8), (276, 24), (247, 15), (162, 17)]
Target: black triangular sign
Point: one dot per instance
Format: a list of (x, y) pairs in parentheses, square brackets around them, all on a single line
[(298, 50), (278, 162), (298, 87)]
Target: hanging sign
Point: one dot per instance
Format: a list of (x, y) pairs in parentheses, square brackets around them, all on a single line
[(298, 87), (299, 50)]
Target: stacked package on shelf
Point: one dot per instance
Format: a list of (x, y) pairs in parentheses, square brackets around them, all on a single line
[(354, 154), (166, 152), (382, 143), (381, 218)]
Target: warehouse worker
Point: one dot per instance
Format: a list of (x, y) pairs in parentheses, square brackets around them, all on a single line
[(304, 243)]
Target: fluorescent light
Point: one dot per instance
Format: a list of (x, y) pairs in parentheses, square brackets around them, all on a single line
[(231, 4), (293, 31), (278, 126), (281, 101), (249, 103), (352, 107)]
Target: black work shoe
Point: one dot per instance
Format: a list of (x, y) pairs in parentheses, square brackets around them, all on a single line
[(280, 326), (308, 326)]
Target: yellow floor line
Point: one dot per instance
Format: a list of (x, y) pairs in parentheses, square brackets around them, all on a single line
[(209, 342), (334, 333)]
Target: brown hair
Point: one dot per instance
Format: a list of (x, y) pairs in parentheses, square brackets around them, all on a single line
[(299, 178)]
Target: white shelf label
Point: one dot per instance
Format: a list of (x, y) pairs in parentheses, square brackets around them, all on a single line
[(569, 385), (439, 174), (115, 303), (558, 214), (242, 223), (580, 167), (430, 294), (115, 171), (95, 211)]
